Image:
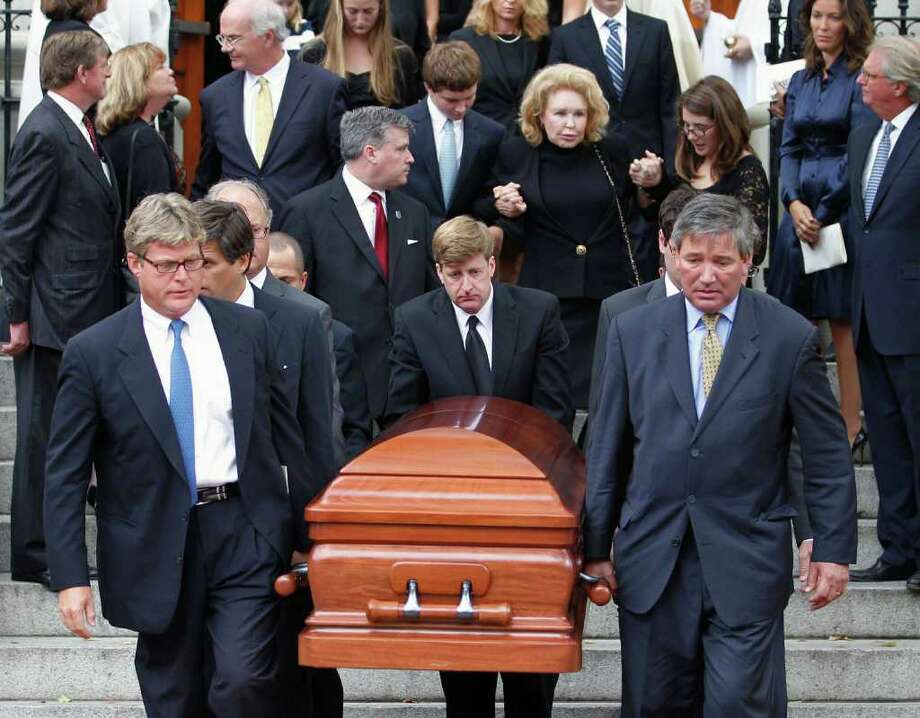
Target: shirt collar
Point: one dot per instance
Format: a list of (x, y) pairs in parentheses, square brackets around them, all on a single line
[(259, 279), (484, 315), (248, 297), (902, 118), (275, 74), (69, 108), (438, 118), (694, 315), (192, 317), (600, 18), (357, 189), (670, 289)]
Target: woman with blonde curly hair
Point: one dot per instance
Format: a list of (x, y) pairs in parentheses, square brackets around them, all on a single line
[(511, 38), (357, 44), (562, 189), (140, 86)]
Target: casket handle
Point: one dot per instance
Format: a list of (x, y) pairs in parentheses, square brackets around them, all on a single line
[(597, 591), (288, 583), (498, 614)]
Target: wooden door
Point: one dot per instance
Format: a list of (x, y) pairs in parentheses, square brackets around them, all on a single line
[(189, 67)]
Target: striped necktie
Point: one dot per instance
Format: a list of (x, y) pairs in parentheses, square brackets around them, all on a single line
[(613, 53), (878, 169), (447, 162)]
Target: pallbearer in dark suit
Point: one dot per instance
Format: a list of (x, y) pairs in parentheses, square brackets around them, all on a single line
[(366, 246), (272, 120), (59, 260), (202, 479), (473, 337), (453, 146), (884, 215), (695, 386)]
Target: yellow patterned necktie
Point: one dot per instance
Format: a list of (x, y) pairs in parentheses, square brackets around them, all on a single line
[(265, 118), (712, 352)]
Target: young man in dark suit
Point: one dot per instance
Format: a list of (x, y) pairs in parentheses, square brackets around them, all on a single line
[(454, 146), (201, 473), (59, 260), (884, 214), (366, 246), (473, 337), (681, 484), (272, 120)]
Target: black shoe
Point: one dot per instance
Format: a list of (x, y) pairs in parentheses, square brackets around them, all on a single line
[(881, 571), (42, 577), (913, 583)]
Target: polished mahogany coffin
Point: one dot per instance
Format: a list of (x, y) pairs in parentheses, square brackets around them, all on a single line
[(452, 543)]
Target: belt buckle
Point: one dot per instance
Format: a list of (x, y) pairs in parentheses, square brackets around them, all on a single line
[(221, 493)]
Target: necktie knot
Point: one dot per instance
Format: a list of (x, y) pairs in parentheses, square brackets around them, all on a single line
[(886, 132), (263, 83), (710, 321), (612, 24), (376, 198), (177, 325), (472, 322)]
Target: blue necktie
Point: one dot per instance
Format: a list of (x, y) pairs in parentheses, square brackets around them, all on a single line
[(448, 162), (613, 53), (878, 169), (180, 406)]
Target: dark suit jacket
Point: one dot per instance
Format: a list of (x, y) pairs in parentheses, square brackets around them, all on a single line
[(344, 272), (529, 353), (451, 16), (496, 98), (58, 228), (302, 352), (111, 413), (646, 114), (303, 149), (356, 424), (886, 276), (481, 139), (656, 469)]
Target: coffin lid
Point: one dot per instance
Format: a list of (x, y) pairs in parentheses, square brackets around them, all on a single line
[(463, 461)]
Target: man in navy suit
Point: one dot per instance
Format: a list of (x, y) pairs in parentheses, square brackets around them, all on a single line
[(884, 215), (272, 120), (454, 146), (688, 479), (201, 476)]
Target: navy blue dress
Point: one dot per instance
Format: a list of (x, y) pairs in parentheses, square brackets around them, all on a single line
[(813, 169)]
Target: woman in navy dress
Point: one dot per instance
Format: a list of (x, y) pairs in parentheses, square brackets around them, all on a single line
[(823, 103)]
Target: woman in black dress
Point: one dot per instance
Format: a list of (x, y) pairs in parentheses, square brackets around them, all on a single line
[(565, 185), (357, 45), (511, 38), (140, 86)]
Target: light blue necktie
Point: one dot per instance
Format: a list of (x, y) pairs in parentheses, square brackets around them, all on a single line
[(878, 169), (448, 162), (613, 53), (180, 406)]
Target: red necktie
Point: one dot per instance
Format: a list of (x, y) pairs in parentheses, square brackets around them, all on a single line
[(381, 236), (90, 128)]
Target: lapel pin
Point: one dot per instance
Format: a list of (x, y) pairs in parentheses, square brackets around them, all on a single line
[(398, 214)]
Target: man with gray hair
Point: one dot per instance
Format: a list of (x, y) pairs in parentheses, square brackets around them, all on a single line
[(366, 245), (884, 215), (272, 120), (687, 479)]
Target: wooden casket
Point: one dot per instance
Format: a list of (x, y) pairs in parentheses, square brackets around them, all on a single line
[(452, 543)]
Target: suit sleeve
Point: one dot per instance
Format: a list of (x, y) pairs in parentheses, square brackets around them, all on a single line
[(830, 487), (669, 94), (552, 390), (609, 457), (210, 164), (356, 422), (338, 104), (316, 398), (408, 381), (31, 192), (431, 275), (68, 470), (597, 363), (557, 52)]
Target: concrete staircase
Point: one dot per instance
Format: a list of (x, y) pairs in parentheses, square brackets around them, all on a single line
[(858, 658)]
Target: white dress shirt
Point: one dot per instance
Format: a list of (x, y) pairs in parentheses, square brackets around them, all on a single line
[(604, 32), (76, 116), (438, 120), (898, 124), (215, 443), (696, 332), (248, 296), (484, 327), (259, 279), (276, 77), (360, 195)]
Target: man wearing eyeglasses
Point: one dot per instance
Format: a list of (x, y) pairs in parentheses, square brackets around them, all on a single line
[(201, 479), (272, 120)]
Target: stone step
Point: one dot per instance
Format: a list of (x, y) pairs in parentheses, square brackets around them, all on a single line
[(134, 709), (38, 669), (7, 433), (5, 541), (7, 382), (873, 610)]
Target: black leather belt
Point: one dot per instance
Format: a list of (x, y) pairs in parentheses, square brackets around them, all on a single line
[(213, 494)]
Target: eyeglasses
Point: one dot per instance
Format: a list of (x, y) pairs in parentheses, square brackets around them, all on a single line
[(695, 130), (258, 231), (229, 41), (170, 267), (871, 75)]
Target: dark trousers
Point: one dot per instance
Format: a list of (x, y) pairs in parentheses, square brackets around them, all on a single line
[(891, 399), (680, 660), (219, 652), (308, 692), (36, 372), (472, 695), (579, 316)]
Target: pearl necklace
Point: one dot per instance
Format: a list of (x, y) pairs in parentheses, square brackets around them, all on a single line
[(508, 42)]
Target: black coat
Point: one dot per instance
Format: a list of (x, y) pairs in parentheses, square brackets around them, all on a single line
[(356, 422)]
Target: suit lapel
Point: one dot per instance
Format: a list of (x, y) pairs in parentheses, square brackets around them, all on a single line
[(910, 135), (488, 53), (450, 343), (141, 380), (234, 108), (84, 152), (677, 353), (737, 357), (397, 233), (504, 336), (635, 36), (277, 328), (428, 151), (657, 291), (590, 41), (296, 88), (347, 214), (471, 143)]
